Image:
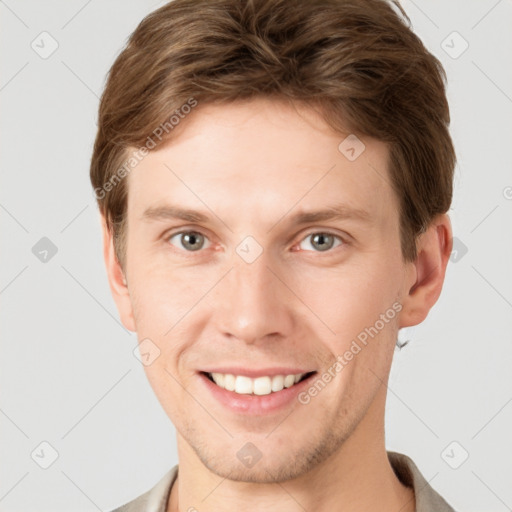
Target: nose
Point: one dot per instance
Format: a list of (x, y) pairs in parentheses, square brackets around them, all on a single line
[(251, 303)]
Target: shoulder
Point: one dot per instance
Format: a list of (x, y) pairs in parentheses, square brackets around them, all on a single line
[(427, 499), (155, 499)]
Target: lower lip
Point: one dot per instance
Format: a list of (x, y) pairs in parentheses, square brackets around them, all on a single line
[(255, 404)]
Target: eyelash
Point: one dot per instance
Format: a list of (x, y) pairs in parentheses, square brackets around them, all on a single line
[(343, 240)]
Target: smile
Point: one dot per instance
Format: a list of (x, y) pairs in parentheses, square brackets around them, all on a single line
[(264, 385)]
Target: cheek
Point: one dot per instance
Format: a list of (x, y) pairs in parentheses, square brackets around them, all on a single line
[(160, 309), (169, 308), (162, 295), (353, 297)]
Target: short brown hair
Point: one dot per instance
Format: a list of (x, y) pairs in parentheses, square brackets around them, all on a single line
[(356, 61)]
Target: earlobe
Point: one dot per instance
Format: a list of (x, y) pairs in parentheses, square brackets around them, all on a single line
[(434, 247), (117, 280)]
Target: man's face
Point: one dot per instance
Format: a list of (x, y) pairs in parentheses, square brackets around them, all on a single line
[(249, 290)]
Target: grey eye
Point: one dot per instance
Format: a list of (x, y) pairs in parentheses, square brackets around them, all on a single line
[(322, 242), (190, 240)]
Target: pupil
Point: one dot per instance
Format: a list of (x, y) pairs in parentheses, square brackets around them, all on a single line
[(321, 238), (189, 239)]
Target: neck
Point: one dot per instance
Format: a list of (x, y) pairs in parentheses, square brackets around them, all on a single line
[(358, 476)]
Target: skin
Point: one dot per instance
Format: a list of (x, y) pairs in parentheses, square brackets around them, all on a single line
[(251, 166)]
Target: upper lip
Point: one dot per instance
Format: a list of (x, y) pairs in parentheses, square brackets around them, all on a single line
[(254, 373)]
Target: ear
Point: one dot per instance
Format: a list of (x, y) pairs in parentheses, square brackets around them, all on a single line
[(425, 275), (117, 279)]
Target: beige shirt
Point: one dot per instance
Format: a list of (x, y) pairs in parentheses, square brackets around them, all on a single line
[(427, 499)]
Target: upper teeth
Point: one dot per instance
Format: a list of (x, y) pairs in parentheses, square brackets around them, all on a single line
[(259, 386)]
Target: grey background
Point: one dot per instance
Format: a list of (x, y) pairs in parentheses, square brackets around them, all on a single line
[(68, 375)]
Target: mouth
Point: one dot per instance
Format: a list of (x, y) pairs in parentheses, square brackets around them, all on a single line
[(259, 386), (266, 392)]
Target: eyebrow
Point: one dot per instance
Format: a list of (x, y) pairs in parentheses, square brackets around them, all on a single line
[(335, 212), (169, 212)]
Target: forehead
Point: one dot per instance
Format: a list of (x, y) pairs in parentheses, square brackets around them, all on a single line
[(262, 156)]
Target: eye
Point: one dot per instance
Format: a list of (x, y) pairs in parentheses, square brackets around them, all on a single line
[(191, 241), (321, 242)]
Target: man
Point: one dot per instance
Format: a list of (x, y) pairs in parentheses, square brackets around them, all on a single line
[(273, 178)]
